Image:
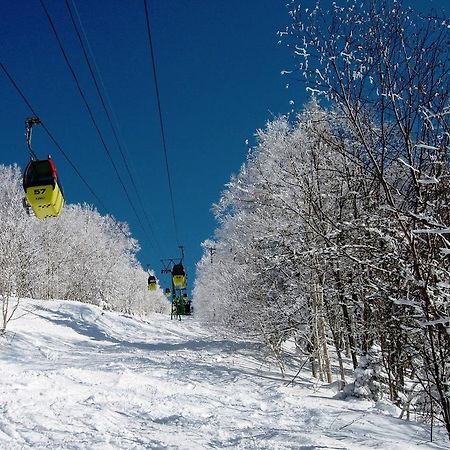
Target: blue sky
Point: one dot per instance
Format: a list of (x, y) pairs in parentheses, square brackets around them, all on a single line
[(218, 66)]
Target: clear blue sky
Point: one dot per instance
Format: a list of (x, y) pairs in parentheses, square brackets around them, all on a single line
[(218, 66)]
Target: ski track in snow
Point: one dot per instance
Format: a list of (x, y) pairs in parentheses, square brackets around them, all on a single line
[(73, 377)]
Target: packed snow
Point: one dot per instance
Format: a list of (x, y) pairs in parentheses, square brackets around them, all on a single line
[(76, 377)]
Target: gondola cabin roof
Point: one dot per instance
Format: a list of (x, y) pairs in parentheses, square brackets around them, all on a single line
[(178, 269), (39, 172)]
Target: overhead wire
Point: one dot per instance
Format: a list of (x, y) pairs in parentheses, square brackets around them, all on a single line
[(91, 115), (50, 135), (61, 150), (106, 109), (161, 122)]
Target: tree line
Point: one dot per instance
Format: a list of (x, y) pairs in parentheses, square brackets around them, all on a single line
[(335, 233), (80, 256)]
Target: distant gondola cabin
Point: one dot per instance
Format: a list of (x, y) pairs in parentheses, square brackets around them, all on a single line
[(43, 191), (152, 284), (179, 276), (186, 304)]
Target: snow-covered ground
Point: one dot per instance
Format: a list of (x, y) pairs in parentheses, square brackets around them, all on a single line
[(73, 377)]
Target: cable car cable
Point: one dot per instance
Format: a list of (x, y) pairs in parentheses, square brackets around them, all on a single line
[(61, 150), (147, 17), (105, 108), (91, 114), (50, 135)]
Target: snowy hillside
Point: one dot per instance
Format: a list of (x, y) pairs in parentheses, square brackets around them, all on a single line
[(73, 377)]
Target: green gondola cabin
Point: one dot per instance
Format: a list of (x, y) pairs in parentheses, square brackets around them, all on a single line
[(187, 304)]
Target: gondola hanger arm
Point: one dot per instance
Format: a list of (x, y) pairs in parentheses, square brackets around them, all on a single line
[(29, 123)]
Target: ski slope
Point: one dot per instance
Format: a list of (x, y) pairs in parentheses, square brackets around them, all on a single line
[(74, 377)]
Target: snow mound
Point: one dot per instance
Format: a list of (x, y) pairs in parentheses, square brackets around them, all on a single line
[(76, 377)]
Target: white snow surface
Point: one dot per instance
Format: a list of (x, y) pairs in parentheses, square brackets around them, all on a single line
[(75, 377)]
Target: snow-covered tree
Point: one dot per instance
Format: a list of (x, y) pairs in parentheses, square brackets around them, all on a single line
[(81, 255), (16, 268), (307, 249), (387, 72)]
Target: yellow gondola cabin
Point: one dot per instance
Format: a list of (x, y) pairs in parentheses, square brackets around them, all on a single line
[(152, 284), (179, 276), (42, 189)]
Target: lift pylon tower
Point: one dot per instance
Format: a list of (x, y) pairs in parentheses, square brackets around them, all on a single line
[(181, 304)]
